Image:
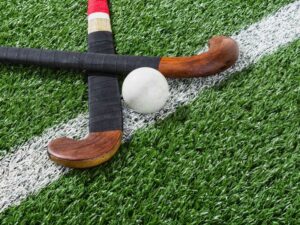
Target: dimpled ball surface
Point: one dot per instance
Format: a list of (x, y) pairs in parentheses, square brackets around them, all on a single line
[(145, 90)]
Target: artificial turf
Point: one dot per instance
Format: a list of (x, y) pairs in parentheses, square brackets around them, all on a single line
[(34, 99), (230, 157)]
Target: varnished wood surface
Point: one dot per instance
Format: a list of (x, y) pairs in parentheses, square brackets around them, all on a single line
[(94, 150), (223, 53)]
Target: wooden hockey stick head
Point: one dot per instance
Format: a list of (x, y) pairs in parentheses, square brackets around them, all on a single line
[(94, 150), (223, 53)]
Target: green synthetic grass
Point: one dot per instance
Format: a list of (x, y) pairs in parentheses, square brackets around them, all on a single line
[(230, 157), (34, 99)]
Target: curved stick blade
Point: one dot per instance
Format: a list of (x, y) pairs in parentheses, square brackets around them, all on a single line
[(223, 53), (94, 150)]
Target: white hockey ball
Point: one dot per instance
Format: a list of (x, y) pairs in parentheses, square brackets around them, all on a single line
[(145, 90)]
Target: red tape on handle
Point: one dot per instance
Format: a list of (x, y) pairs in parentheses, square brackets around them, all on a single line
[(95, 6)]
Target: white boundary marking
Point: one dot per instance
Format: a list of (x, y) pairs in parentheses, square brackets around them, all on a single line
[(27, 169)]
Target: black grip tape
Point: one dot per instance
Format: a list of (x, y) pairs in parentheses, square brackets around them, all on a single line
[(107, 63), (116, 64), (45, 58), (105, 110)]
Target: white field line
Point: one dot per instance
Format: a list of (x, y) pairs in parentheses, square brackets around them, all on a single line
[(27, 169)]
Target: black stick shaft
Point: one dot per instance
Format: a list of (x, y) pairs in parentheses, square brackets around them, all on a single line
[(105, 110), (114, 64)]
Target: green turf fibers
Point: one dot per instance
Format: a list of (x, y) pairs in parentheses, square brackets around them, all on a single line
[(230, 157), (33, 99)]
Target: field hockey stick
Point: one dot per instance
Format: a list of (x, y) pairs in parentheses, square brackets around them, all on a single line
[(222, 54), (105, 110)]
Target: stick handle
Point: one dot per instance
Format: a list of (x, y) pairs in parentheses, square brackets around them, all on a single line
[(44, 58), (76, 61), (105, 110)]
